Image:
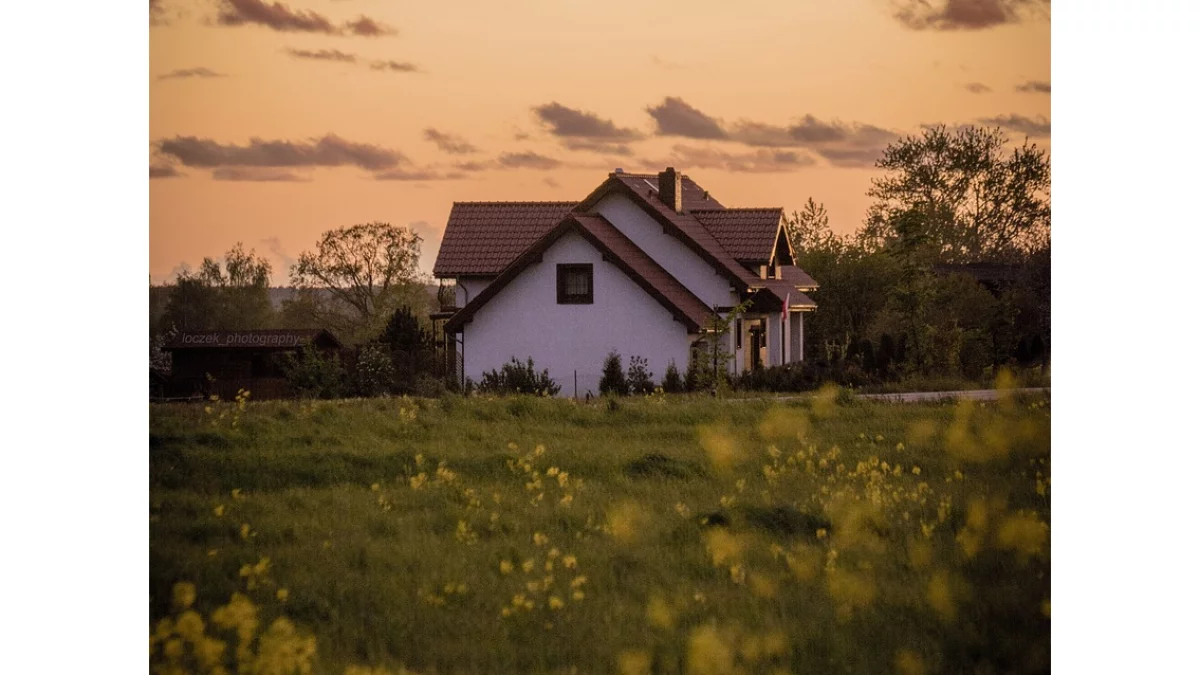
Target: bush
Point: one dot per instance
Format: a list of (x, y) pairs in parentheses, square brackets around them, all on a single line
[(315, 375), (518, 378), (373, 372), (613, 379), (672, 383), (639, 380)]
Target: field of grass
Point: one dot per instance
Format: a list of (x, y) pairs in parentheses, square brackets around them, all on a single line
[(654, 535)]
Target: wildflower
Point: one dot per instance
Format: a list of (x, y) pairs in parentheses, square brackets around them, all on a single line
[(219, 510), (236, 492), (245, 531), (527, 566), (822, 533), (878, 438), (555, 602), (540, 539), (578, 581), (577, 596), (916, 470), (569, 562), (183, 594), (505, 567), (281, 595), (374, 487), (682, 509), (634, 662), (553, 553)]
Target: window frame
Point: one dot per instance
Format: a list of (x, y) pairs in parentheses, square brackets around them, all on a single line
[(562, 272)]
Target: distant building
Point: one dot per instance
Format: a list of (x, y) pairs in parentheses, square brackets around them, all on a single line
[(222, 362)]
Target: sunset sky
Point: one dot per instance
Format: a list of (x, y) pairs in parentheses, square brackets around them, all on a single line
[(273, 122)]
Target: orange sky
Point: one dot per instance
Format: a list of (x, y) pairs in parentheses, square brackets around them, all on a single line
[(770, 103)]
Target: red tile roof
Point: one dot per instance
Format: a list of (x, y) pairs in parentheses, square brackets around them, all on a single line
[(797, 277), (786, 290), (622, 252), (747, 234), (482, 238)]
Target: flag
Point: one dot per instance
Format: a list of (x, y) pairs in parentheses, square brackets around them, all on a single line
[(786, 301)]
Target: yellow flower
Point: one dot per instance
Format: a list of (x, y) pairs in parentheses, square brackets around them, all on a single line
[(540, 539), (555, 602), (183, 594), (578, 581), (281, 595), (569, 562), (374, 487), (527, 566), (916, 470), (219, 510), (505, 567), (577, 595)]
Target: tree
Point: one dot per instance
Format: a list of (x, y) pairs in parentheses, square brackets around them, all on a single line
[(979, 201), (229, 294), (367, 269), (809, 228), (709, 367), (612, 381), (637, 378)]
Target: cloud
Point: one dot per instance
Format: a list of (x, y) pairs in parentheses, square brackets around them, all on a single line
[(842, 144), (449, 143), (394, 66), (1034, 87), (190, 72), (367, 27), (757, 161), (674, 117), (323, 55), (977, 87), (666, 63), (274, 245), (158, 14), (567, 122), (417, 175), (1038, 127), (528, 160), (256, 174), (586, 145), (549, 180), (329, 150), (475, 166), (279, 17), (165, 171), (945, 15)]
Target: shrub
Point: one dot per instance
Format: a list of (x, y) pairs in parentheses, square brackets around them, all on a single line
[(315, 375), (613, 379), (373, 372), (518, 378), (638, 380), (672, 382)]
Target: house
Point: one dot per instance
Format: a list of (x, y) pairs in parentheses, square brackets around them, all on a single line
[(222, 362), (640, 266)]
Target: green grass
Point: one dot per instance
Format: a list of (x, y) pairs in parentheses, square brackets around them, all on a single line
[(693, 553)]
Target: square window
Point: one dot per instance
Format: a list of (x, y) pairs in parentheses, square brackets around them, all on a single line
[(575, 284)]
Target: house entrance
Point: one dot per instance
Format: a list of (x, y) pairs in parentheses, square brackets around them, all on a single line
[(756, 346)]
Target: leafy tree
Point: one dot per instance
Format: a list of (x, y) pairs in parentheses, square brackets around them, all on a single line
[(373, 371), (612, 381), (368, 270), (405, 333), (313, 374), (809, 228), (230, 294), (979, 201), (711, 359)]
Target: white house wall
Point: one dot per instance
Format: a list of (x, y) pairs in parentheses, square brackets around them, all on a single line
[(524, 320), (672, 254), (466, 288)]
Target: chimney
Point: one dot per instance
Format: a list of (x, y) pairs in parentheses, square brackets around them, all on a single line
[(670, 189)]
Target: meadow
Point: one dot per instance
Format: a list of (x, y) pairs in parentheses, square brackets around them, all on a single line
[(647, 535)]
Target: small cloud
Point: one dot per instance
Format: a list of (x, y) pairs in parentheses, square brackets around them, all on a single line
[(1034, 87), (327, 151), (548, 180), (416, 175), (322, 55), (256, 174), (165, 171), (528, 160), (758, 161), (367, 27), (977, 87), (475, 166), (190, 72), (395, 66), (449, 143), (586, 145), (158, 14), (567, 122), (674, 117), (279, 17), (274, 245), (666, 64), (948, 15), (1034, 127), (276, 16)]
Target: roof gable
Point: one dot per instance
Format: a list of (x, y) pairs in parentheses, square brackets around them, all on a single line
[(482, 238), (616, 249), (749, 235)]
